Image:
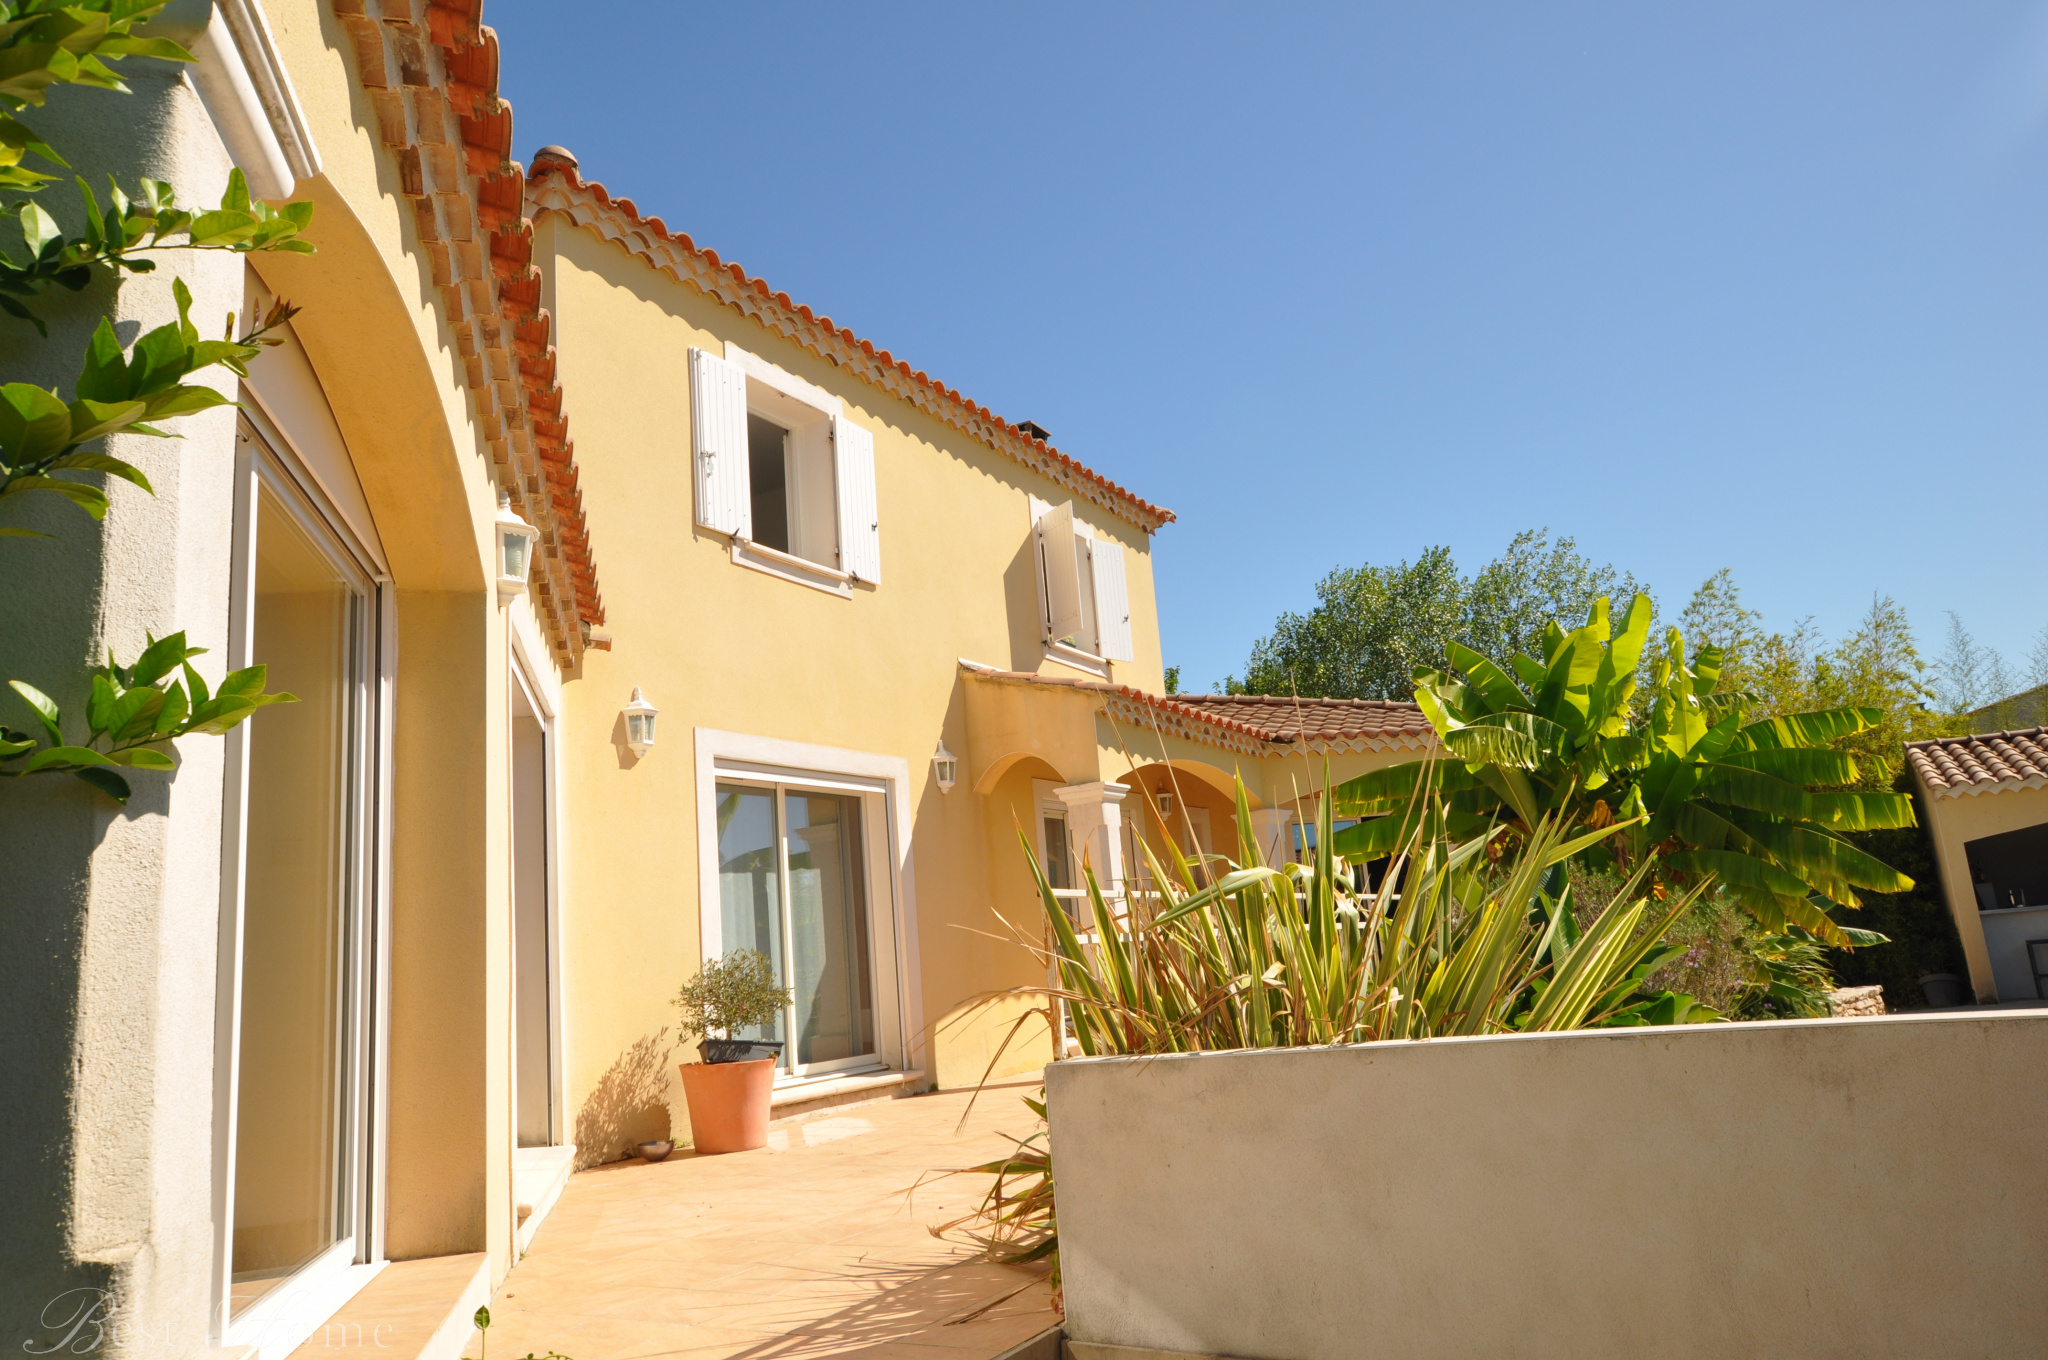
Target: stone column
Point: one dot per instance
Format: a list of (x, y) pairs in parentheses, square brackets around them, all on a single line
[(1095, 829), (1273, 829)]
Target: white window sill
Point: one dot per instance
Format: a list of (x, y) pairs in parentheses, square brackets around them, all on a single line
[(1086, 662), (789, 567)]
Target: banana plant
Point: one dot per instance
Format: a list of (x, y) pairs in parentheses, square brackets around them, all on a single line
[(134, 713), (1718, 798)]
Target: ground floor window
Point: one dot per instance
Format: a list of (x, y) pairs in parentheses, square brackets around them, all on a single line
[(793, 886)]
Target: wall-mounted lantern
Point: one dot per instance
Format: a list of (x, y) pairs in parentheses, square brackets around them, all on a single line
[(1165, 799), (639, 715), (515, 549), (945, 767)]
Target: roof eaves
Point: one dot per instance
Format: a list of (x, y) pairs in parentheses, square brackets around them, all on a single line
[(557, 187), (433, 83)]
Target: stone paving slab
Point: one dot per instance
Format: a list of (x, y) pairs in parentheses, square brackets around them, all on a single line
[(813, 1247)]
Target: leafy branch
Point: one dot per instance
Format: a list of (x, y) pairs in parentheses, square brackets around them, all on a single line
[(40, 434), (133, 712), (118, 238), (51, 42)]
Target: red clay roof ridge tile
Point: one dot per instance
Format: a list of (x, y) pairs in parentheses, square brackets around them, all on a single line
[(1311, 723)]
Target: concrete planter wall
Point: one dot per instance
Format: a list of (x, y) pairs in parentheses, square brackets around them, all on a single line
[(1866, 1188)]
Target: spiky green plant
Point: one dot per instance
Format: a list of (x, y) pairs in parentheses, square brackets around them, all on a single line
[(1464, 936), (1566, 739)]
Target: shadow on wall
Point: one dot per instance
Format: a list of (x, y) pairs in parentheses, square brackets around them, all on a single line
[(629, 1104)]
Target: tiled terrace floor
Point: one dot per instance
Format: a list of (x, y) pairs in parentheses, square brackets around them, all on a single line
[(809, 1248)]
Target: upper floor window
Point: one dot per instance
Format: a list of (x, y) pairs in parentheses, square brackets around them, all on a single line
[(1084, 604), (783, 472)]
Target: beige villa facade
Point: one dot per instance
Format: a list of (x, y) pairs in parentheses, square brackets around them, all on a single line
[(364, 982), (1986, 799)]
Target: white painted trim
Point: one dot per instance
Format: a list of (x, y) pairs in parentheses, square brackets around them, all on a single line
[(367, 1064), (273, 84), (234, 848), (746, 756), (1086, 662), (451, 1338), (533, 670), (273, 1334), (783, 381), (801, 570)]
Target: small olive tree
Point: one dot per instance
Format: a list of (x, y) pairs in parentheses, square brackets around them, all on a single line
[(729, 994)]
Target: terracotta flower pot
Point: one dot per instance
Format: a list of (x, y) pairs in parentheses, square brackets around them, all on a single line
[(729, 1104)]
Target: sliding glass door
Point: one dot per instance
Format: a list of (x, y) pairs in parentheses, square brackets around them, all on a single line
[(298, 938), (793, 886)]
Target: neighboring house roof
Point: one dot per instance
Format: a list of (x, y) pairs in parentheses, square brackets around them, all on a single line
[(1393, 721), (556, 186), (1993, 763), (1247, 724), (2026, 709), (434, 85)]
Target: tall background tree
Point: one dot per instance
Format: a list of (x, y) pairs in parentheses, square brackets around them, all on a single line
[(1373, 625)]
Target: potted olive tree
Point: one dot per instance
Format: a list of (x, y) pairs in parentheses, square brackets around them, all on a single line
[(728, 1092)]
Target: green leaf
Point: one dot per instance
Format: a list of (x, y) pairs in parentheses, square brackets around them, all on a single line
[(100, 462), (1494, 746), (143, 758), (1808, 729), (161, 656), (9, 531), (99, 708), (172, 715), (45, 708), (90, 499), (93, 419), (106, 781), (54, 757), (38, 228), (33, 424)]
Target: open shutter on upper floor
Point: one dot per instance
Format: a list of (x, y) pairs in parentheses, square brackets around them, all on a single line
[(1112, 603), (860, 522), (718, 437), (1059, 573)]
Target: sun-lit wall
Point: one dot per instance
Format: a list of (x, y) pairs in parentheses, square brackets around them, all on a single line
[(722, 647)]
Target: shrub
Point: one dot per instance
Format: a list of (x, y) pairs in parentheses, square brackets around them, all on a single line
[(730, 993)]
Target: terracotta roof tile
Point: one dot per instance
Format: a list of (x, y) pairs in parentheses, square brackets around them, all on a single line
[(557, 186), (1992, 763), (1317, 719), (1253, 724), (434, 88)]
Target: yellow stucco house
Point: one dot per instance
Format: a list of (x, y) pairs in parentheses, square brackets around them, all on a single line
[(365, 981), (1986, 798)]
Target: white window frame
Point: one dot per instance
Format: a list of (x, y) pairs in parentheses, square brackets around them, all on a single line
[(276, 1324), (1054, 649), (883, 782), (528, 664), (779, 395)]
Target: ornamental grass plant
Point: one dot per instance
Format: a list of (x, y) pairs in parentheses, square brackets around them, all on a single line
[(1468, 935)]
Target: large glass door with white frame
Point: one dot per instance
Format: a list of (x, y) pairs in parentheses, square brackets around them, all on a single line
[(793, 887), (298, 938)]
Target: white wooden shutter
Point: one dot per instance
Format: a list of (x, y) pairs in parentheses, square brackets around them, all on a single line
[(718, 436), (860, 522), (1060, 573), (1112, 603)]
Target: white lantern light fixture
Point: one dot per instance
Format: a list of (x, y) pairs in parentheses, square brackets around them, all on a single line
[(640, 717), (945, 767), (515, 549), (1165, 800)]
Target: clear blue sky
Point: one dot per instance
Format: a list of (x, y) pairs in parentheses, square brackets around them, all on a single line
[(1755, 285)]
